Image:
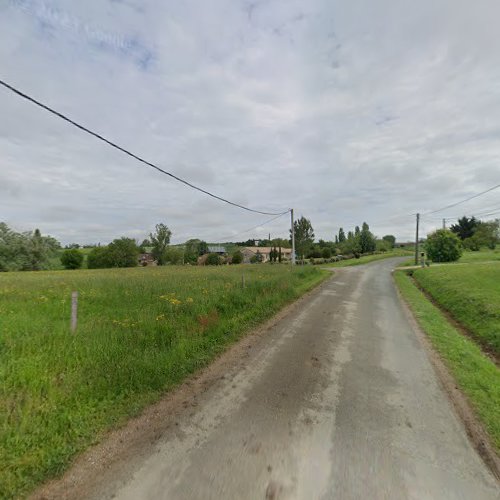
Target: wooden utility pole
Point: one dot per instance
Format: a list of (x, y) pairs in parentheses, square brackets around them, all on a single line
[(293, 238), (416, 241)]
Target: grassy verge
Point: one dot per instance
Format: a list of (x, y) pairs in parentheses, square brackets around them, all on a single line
[(365, 259), (476, 375), (471, 294), (140, 332)]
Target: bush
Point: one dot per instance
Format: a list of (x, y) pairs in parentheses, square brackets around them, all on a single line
[(98, 258), (213, 260), (443, 246), (72, 259), (326, 253), (237, 257)]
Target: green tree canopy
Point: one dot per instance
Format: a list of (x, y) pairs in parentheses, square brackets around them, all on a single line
[(465, 227), (160, 240), (72, 258), (304, 235), (443, 246)]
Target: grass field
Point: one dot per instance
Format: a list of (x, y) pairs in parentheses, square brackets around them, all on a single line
[(476, 375), (467, 257), (471, 293), (140, 332), (365, 259)]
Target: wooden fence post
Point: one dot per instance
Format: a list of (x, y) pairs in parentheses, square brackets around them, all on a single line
[(74, 311)]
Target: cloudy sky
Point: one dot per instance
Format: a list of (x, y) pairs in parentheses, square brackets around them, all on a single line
[(345, 110)]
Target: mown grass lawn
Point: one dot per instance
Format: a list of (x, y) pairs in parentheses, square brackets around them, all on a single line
[(476, 375), (140, 332), (471, 293)]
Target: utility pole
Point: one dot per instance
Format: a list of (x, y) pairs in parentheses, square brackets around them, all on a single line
[(416, 241), (293, 238), (444, 223)]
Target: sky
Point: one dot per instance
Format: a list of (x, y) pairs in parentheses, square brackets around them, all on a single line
[(347, 111)]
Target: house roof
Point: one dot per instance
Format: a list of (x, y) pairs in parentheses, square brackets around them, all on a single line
[(216, 249)]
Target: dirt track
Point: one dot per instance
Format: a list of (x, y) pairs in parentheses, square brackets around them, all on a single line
[(337, 400)]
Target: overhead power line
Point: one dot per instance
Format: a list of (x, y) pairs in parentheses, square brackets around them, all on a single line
[(129, 153), (462, 201), (251, 229)]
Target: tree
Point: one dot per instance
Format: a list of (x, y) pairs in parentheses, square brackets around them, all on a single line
[(203, 248), (304, 235), (465, 227), (443, 246), (174, 255), (29, 251), (367, 241), (341, 236), (326, 253), (72, 258), (237, 257), (160, 240), (192, 250), (123, 252), (98, 258), (488, 233), (390, 239)]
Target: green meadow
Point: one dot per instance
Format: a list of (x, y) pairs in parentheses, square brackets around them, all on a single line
[(140, 332)]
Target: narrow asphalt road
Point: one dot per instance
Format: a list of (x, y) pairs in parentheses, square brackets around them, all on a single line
[(338, 400)]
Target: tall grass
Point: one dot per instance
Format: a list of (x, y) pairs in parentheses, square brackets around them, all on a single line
[(140, 332)]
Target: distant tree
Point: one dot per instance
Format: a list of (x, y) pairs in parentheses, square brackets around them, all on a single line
[(486, 234), (357, 231), (237, 257), (203, 248), (304, 235), (326, 253), (160, 240), (123, 252), (174, 255), (192, 250), (341, 237), (443, 246), (336, 240), (367, 241), (98, 258), (72, 258), (465, 227), (390, 239), (73, 245), (382, 246)]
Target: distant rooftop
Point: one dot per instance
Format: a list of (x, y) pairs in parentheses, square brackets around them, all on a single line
[(216, 249)]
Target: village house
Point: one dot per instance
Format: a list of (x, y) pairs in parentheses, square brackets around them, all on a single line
[(249, 252), (146, 259)]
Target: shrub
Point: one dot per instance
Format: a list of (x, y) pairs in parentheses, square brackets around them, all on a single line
[(98, 258), (443, 246), (326, 253), (213, 260), (72, 259), (237, 257)]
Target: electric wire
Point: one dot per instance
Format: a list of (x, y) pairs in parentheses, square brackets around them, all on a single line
[(462, 201), (223, 240), (129, 153)]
